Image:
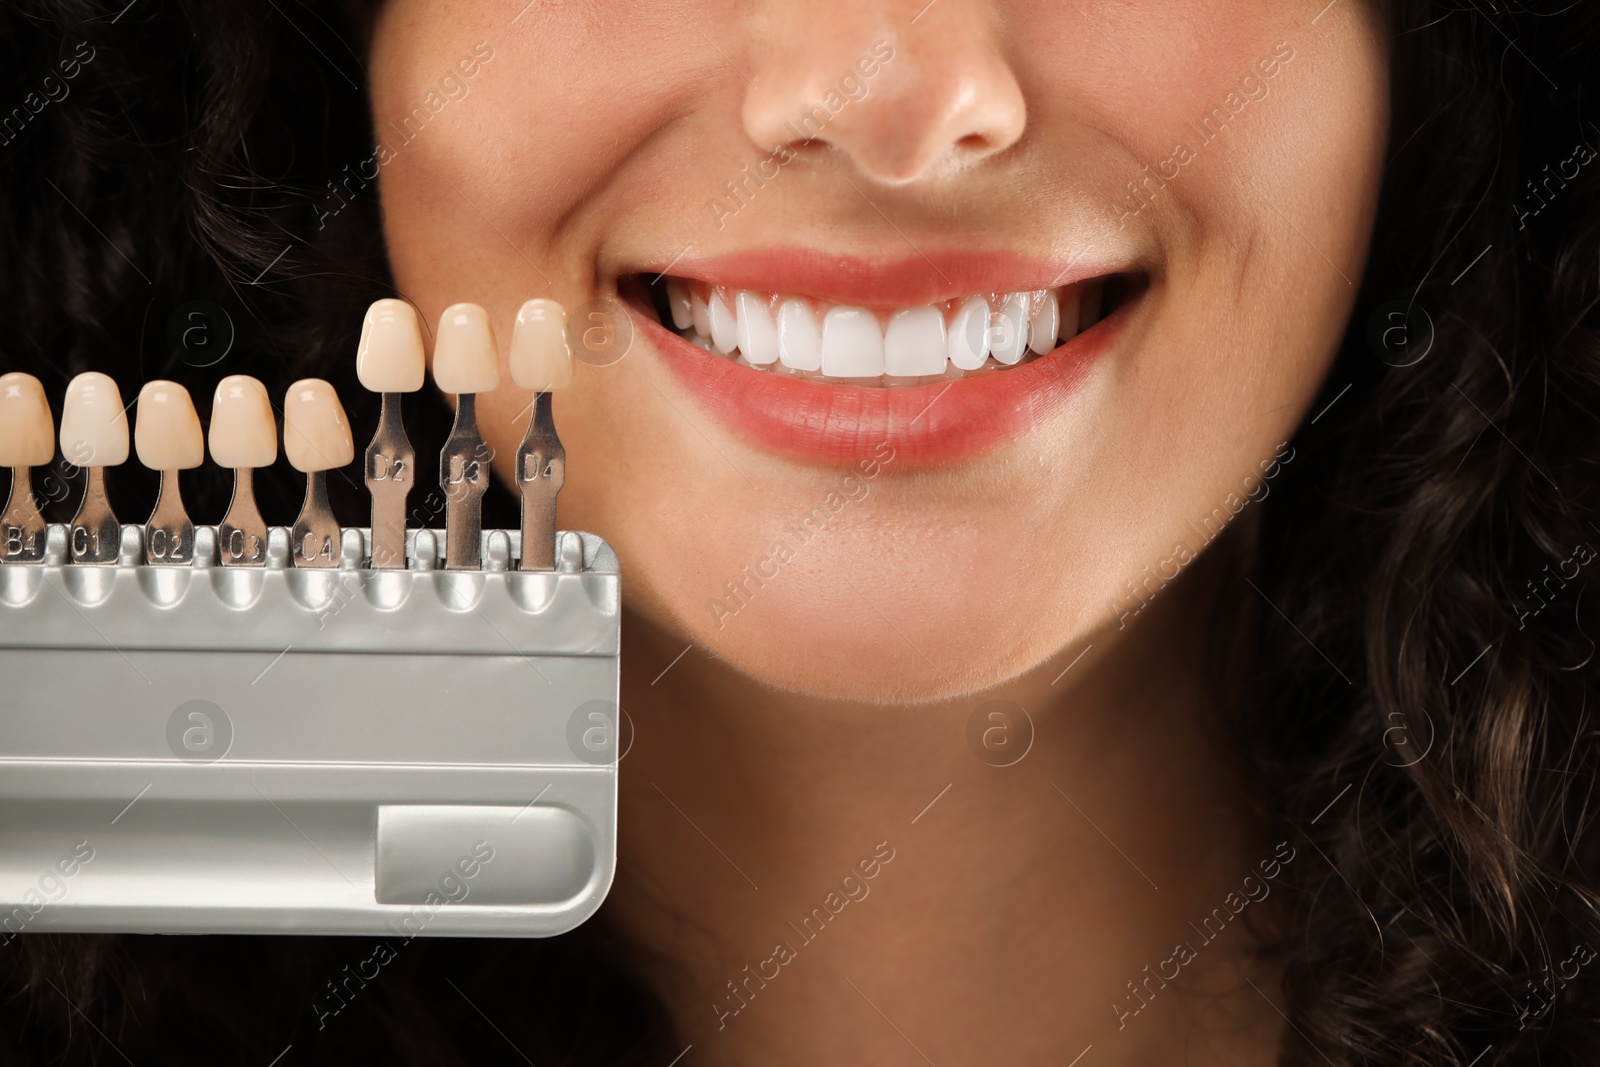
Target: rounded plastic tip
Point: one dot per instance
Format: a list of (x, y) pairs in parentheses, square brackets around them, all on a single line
[(316, 434), (27, 432), (94, 426), (390, 358), (243, 430), (465, 356)]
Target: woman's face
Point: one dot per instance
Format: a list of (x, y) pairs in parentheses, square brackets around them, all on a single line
[(837, 181)]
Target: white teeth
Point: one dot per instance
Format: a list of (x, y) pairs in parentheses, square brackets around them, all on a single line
[(699, 315), (758, 334), (852, 344), (678, 302), (1070, 306), (1008, 338), (1046, 325), (799, 339), (969, 334), (978, 333), (724, 327), (1089, 313), (914, 346)]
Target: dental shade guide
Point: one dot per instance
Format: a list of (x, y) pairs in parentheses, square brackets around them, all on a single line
[(466, 361), (315, 736), (27, 440), (540, 361)]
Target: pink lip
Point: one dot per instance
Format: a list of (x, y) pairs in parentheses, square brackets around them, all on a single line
[(862, 282), (841, 425)]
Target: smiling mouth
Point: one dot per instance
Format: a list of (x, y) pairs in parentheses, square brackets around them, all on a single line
[(803, 337)]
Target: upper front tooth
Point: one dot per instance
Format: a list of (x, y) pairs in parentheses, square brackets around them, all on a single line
[(969, 334), (1070, 305), (852, 344), (758, 334), (915, 345), (1011, 331), (724, 327), (699, 317), (1046, 324), (678, 303), (799, 340)]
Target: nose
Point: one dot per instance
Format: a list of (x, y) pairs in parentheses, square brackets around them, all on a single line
[(906, 94)]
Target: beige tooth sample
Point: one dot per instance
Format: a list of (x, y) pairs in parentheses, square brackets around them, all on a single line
[(94, 435), (316, 439), (540, 361), (465, 356), (243, 436), (389, 358), (466, 361), (168, 438), (27, 440), (390, 361)]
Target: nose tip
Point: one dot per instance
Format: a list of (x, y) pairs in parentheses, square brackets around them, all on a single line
[(938, 99)]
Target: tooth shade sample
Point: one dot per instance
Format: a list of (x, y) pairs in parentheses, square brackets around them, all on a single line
[(1069, 314), (1046, 325), (758, 334), (678, 303), (915, 345), (724, 327), (699, 315), (27, 432), (94, 426), (969, 334), (852, 344), (390, 358), (243, 434), (465, 356), (799, 339), (1009, 334), (316, 434), (166, 428), (540, 359)]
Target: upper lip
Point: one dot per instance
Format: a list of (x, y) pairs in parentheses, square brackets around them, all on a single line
[(924, 277)]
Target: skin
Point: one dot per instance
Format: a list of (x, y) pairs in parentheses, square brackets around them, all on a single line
[(819, 720)]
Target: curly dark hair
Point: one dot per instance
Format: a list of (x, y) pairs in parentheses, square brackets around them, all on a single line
[(1412, 698)]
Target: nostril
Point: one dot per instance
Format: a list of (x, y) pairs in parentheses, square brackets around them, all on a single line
[(973, 142)]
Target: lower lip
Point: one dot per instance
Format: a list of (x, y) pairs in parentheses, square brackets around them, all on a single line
[(923, 424)]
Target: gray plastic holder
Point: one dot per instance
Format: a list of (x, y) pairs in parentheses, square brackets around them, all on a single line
[(208, 749)]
